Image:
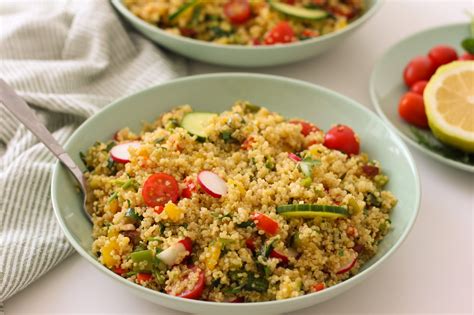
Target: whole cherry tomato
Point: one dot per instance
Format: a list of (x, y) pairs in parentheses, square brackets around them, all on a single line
[(342, 138), (466, 56), (237, 11), (419, 87), (412, 109), (280, 33), (419, 68), (442, 54)]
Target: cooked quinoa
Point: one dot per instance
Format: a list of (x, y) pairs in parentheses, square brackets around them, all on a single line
[(226, 22), (235, 247)]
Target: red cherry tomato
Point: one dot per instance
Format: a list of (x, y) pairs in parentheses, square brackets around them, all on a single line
[(237, 11), (144, 276), (190, 188), (418, 69), (283, 258), (196, 292), (466, 56), (342, 138), (442, 54), (250, 243), (280, 33), (412, 109), (419, 87), (265, 223), (318, 287), (160, 188), (119, 271), (306, 127)]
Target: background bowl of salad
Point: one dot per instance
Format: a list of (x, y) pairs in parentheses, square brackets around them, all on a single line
[(284, 42), (212, 93)]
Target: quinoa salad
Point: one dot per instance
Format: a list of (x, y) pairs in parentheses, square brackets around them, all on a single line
[(242, 206), (248, 22)]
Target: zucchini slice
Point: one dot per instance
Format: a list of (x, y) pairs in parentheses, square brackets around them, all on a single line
[(309, 211), (196, 122), (298, 12)]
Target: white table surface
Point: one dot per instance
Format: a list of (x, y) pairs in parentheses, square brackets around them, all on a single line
[(431, 272)]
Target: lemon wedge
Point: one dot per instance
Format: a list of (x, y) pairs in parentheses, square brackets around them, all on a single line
[(449, 104)]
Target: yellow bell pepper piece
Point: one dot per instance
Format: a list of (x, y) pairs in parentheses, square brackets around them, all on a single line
[(214, 252), (173, 211), (110, 254)]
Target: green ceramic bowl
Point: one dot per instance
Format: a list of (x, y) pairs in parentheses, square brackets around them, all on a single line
[(387, 86), (244, 56), (215, 93)]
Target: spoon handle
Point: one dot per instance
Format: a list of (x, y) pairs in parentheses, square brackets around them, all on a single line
[(18, 107)]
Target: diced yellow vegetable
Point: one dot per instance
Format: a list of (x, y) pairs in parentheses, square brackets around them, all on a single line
[(214, 251), (173, 211), (114, 206), (110, 254), (238, 185)]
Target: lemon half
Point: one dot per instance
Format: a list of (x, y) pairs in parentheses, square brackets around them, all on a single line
[(449, 104)]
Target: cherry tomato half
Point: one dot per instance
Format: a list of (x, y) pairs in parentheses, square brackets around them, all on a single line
[(189, 189), (342, 138), (418, 69), (196, 292), (280, 33), (306, 127), (412, 109), (144, 276), (442, 54), (237, 11), (466, 56), (283, 258), (265, 223), (419, 87), (160, 188)]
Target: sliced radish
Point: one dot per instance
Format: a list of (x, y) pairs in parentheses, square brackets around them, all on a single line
[(188, 244), (170, 255), (212, 184), (294, 157), (120, 153), (348, 266)]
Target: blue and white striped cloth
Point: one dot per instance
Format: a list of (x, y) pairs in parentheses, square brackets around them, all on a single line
[(67, 59)]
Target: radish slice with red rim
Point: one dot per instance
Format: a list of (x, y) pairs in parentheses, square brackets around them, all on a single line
[(171, 255), (212, 184), (294, 157), (348, 266), (120, 153)]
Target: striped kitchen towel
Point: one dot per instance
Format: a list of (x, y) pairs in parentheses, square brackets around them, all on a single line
[(67, 59)]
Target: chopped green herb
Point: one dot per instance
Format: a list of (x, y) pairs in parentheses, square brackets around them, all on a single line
[(306, 182), (130, 183), (226, 136), (341, 253), (270, 163), (251, 108), (431, 143), (109, 146), (131, 273), (372, 200), (112, 197), (245, 224), (267, 249), (255, 283), (110, 164), (132, 215)]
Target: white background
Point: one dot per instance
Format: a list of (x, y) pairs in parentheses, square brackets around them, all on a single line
[(430, 273)]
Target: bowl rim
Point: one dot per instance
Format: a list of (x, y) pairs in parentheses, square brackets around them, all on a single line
[(327, 292), (119, 6), (378, 108)]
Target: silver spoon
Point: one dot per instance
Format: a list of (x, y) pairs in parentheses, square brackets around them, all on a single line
[(18, 107)]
